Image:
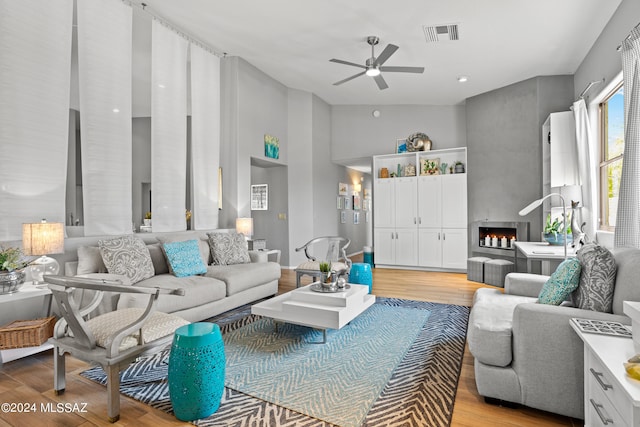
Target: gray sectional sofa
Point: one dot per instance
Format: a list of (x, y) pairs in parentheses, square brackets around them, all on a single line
[(526, 352), (221, 288)]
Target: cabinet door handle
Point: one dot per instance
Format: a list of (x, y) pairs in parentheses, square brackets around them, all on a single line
[(438, 236), (414, 220), (392, 236), (444, 236), (396, 234), (598, 376), (598, 407), (419, 220)]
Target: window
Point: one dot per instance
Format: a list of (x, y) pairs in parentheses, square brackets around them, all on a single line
[(611, 155)]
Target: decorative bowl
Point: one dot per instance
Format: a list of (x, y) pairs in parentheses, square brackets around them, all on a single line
[(11, 281)]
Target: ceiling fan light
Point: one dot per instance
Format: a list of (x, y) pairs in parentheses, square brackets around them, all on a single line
[(372, 72)]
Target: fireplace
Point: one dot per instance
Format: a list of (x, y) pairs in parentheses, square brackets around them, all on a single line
[(497, 237)]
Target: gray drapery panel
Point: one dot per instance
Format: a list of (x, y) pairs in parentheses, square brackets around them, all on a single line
[(627, 232)]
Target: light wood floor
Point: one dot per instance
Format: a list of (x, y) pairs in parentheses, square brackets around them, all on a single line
[(29, 380)]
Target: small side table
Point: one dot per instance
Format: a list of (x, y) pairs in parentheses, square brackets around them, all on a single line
[(15, 306), (196, 371)]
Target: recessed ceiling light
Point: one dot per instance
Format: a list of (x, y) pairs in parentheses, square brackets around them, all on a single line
[(116, 110), (462, 79)]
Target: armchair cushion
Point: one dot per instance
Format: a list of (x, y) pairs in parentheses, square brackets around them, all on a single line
[(562, 282), (597, 280), (184, 258), (157, 326), (127, 255), (490, 325), (228, 248)]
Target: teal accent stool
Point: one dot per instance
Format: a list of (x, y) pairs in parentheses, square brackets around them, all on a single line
[(361, 274), (368, 256), (196, 371)]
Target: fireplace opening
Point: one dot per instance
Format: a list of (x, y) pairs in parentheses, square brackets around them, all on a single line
[(497, 237)]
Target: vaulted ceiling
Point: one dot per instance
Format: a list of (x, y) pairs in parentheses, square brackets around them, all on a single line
[(500, 42)]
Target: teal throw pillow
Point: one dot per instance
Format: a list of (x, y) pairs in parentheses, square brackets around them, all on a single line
[(562, 282), (184, 258)]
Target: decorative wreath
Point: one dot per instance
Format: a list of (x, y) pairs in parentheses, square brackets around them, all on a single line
[(418, 142)]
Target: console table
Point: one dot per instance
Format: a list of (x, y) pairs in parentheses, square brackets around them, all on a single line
[(543, 252)]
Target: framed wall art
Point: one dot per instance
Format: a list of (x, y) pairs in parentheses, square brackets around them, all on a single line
[(343, 189), (260, 197)]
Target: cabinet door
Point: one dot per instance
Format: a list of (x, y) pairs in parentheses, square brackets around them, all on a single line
[(454, 201), (384, 244), (429, 204), (430, 247), (406, 247), (384, 203), (406, 202), (454, 248)]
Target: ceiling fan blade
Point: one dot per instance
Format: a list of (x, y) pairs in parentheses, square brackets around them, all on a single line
[(380, 82), (349, 78), (403, 69), (353, 64), (386, 53)]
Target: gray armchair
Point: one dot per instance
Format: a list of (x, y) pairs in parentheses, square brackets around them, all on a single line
[(113, 340), (336, 254), (527, 353)]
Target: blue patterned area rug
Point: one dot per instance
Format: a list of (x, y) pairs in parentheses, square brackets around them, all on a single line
[(406, 354)]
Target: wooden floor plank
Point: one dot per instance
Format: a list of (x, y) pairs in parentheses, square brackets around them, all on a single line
[(31, 379)]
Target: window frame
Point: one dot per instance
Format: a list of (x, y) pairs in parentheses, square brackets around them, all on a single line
[(603, 163)]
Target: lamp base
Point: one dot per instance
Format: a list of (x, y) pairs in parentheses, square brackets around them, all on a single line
[(41, 266)]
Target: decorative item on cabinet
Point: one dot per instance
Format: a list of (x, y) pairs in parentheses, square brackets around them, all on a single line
[(458, 167), (429, 166), (410, 170), (401, 146), (384, 173), (418, 142), (443, 168)]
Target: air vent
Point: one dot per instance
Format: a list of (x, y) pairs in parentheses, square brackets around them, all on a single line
[(441, 33)]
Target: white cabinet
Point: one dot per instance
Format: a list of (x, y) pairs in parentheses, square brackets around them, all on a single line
[(421, 221)]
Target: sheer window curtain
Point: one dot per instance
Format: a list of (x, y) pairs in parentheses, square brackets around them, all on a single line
[(627, 232), (168, 129), (205, 137), (35, 64), (104, 66), (586, 168)]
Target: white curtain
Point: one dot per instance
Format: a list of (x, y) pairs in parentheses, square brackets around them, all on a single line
[(104, 66), (586, 169), (205, 137), (627, 232), (168, 129), (35, 64)]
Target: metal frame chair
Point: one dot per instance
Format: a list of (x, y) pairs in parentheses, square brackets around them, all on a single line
[(336, 252), (73, 335)]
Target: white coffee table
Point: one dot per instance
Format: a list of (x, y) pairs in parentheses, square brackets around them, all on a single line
[(305, 307)]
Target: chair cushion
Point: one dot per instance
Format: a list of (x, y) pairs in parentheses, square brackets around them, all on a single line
[(240, 277), (315, 266), (490, 324), (184, 258), (562, 282), (228, 248), (90, 260), (127, 255), (597, 280), (157, 326)]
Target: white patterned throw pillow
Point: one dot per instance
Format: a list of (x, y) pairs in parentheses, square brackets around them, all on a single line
[(597, 280), (128, 256), (228, 248)]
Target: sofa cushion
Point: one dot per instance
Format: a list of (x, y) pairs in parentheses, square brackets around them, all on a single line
[(184, 258), (597, 280), (239, 277), (490, 324), (198, 290), (562, 282), (627, 275), (228, 248), (127, 255), (90, 260), (158, 259)]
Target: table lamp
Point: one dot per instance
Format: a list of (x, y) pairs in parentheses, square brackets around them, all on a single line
[(245, 226), (42, 238), (531, 206)]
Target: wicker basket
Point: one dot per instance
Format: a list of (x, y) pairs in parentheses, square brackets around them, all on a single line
[(26, 333)]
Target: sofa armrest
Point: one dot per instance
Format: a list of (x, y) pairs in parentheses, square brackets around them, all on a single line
[(524, 284), (548, 356), (258, 256)]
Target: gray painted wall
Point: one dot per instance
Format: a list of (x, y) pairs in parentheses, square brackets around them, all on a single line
[(504, 134)]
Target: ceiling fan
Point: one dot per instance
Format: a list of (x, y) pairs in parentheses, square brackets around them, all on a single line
[(373, 66)]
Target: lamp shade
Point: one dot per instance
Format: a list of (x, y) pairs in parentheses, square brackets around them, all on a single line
[(43, 238), (245, 226)]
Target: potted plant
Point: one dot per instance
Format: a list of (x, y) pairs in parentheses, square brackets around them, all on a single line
[(554, 232), (147, 218), (12, 275), (458, 167), (325, 272)]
